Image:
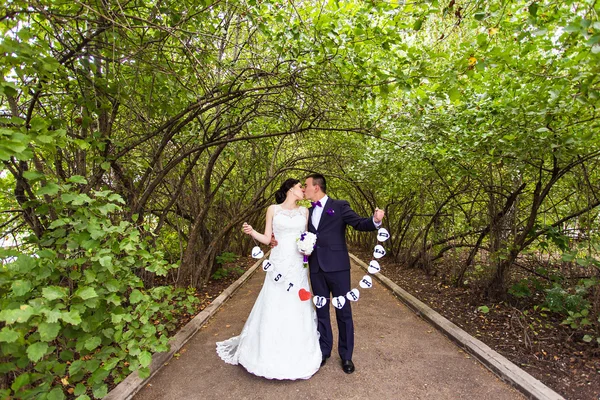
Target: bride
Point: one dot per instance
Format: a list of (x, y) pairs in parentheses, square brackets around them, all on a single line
[(280, 338)]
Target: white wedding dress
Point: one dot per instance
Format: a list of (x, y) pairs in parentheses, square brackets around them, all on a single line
[(280, 338)]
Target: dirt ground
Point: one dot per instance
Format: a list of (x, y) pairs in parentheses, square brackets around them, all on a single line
[(397, 355), (539, 344)]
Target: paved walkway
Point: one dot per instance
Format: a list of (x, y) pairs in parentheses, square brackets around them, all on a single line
[(397, 356)]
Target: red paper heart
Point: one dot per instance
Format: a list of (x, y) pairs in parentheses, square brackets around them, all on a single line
[(304, 294)]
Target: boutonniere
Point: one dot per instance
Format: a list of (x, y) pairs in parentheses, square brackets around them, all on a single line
[(330, 211)]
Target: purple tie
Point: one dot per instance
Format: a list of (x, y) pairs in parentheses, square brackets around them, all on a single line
[(316, 203)]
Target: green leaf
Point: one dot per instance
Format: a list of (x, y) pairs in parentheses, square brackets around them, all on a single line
[(480, 16), (77, 179), (54, 292), (484, 309), (100, 391), (106, 261), (136, 296), (8, 335), (20, 381), (38, 124), (50, 189), (86, 293), (66, 355), (21, 287), (5, 368), (59, 222), (145, 358), (45, 139), (79, 389), (48, 331), (25, 264), (76, 199), (21, 314), (56, 394), (33, 175), (593, 40), (533, 9), (568, 257), (83, 397), (82, 144), (108, 208), (113, 285), (418, 24), (116, 198), (93, 342), (143, 372), (36, 351), (99, 375), (587, 338), (76, 366), (572, 28), (454, 94), (72, 317), (584, 262)]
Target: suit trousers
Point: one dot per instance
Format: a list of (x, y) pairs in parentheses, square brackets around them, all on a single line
[(338, 284)]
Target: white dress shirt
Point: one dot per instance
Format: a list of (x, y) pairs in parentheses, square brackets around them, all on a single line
[(318, 211)]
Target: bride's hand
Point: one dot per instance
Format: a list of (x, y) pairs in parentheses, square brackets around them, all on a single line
[(247, 229)]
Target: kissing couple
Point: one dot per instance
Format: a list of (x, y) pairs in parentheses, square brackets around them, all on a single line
[(284, 337)]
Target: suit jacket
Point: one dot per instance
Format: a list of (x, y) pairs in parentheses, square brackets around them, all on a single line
[(331, 251)]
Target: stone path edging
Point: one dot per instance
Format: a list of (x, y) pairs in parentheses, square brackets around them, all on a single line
[(498, 364), (133, 383)]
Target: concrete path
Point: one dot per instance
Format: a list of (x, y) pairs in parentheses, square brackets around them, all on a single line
[(397, 356)]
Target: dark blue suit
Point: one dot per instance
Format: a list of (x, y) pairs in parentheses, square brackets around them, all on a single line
[(330, 271)]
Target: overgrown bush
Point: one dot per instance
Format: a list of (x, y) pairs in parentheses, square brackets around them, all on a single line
[(223, 272), (74, 313)]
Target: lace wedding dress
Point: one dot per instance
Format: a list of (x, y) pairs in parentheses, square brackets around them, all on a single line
[(280, 338)]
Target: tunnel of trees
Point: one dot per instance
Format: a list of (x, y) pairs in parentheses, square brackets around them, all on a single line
[(137, 136)]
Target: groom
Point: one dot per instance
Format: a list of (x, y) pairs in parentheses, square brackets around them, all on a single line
[(330, 263)]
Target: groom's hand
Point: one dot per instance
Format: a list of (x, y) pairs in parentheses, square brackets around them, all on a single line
[(378, 215), (273, 241)]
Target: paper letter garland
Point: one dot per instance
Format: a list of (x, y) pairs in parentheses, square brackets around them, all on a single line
[(257, 252), (366, 282), (338, 302), (267, 265)]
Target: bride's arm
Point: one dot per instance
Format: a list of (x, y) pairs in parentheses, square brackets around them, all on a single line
[(306, 215), (266, 238)]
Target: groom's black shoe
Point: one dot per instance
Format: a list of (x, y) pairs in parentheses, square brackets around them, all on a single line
[(324, 360), (348, 366)]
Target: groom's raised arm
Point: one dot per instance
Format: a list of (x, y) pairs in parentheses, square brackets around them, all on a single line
[(354, 220)]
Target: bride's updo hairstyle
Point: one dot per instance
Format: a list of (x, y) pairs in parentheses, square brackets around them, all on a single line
[(281, 194)]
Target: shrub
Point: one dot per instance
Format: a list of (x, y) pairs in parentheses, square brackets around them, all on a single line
[(74, 312)]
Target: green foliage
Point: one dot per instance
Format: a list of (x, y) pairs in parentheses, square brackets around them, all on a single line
[(73, 305), (436, 111), (226, 257), (564, 301), (224, 271), (520, 289)]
